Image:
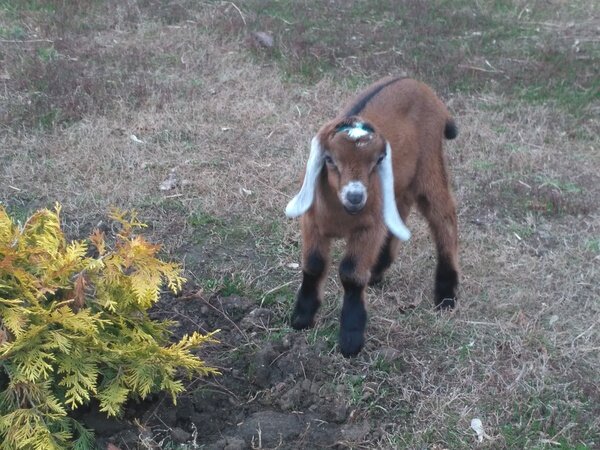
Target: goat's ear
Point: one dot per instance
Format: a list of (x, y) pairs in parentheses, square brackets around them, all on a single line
[(391, 217), (304, 199)]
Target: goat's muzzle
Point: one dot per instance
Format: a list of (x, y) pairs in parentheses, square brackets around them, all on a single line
[(353, 197)]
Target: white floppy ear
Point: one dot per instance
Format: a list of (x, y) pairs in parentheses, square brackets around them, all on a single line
[(391, 217), (304, 199)]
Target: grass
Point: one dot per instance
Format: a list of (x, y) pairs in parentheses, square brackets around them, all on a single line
[(501, 46), (234, 120)]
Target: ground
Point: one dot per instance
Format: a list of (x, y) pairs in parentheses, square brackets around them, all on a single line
[(104, 102), (279, 394)]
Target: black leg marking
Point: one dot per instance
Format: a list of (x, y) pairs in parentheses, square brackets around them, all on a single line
[(446, 282), (384, 261), (307, 300), (450, 130), (352, 323), (354, 315), (347, 268)]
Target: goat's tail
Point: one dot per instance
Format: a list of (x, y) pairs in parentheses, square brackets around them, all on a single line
[(450, 130)]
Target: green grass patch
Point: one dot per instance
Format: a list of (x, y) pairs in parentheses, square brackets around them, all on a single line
[(355, 384), (324, 332), (560, 185), (13, 7), (531, 421), (387, 366), (47, 53), (483, 165), (593, 245), (520, 229), (227, 286), (201, 221), (209, 228), (280, 296), (19, 212), (456, 46), (13, 32)]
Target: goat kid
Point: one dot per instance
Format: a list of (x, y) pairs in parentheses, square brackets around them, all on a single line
[(366, 169)]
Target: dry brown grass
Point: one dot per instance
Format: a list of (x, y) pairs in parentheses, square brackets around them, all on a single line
[(521, 352)]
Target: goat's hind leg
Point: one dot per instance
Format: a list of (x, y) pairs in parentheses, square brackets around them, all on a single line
[(390, 247), (315, 256), (385, 259), (437, 205)]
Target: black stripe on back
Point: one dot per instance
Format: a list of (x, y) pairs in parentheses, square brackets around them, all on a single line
[(362, 103)]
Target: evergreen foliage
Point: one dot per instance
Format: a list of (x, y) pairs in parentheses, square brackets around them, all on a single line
[(75, 327)]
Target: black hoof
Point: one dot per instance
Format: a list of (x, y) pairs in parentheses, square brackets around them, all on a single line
[(445, 304), (446, 282), (307, 300), (351, 343), (304, 313), (375, 279), (302, 321)]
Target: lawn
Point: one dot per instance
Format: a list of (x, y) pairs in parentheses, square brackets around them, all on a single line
[(178, 110)]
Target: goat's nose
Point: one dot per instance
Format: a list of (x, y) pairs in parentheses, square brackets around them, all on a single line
[(355, 198)]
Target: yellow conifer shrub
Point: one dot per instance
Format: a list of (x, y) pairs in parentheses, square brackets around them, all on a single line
[(75, 327)]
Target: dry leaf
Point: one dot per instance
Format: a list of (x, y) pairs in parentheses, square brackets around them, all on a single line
[(3, 336), (97, 238), (170, 183), (263, 39), (79, 292)]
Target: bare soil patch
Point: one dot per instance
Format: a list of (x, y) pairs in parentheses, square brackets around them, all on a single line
[(276, 394)]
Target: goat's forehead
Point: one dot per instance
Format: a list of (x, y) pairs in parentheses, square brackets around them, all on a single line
[(363, 148)]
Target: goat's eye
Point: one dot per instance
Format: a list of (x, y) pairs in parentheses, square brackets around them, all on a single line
[(380, 159), (329, 160)]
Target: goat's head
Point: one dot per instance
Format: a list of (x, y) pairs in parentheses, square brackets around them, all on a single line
[(350, 150)]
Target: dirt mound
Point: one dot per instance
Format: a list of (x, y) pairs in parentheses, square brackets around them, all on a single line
[(280, 394)]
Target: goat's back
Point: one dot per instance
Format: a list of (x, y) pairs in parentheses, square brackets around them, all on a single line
[(410, 116)]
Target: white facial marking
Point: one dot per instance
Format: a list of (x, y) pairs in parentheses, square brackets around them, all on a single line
[(353, 188), (356, 132)]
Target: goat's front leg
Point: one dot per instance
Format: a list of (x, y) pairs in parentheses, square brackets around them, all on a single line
[(315, 258), (355, 272)]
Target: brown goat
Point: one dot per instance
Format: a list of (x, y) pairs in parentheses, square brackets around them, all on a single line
[(381, 155)]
